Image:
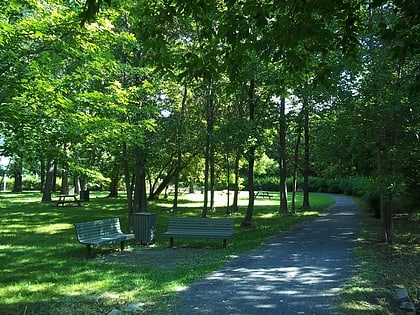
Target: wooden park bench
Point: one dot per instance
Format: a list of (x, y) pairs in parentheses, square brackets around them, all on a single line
[(101, 232), (199, 228)]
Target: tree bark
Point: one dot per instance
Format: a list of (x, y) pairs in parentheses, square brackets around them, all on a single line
[(46, 196), (42, 175), (64, 182), (128, 187), (283, 156), (306, 203), (209, 150), (140, 200), (113, 186), (251, 159), (179, 149), (296, 161)]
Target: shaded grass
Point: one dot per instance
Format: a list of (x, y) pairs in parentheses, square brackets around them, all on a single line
[(44, 270), (383, 268)]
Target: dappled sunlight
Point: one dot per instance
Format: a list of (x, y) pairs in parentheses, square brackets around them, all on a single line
[(300, 272), (43, 262), (52, 228)]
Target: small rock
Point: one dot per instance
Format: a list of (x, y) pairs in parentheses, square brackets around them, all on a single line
[(133, 307)]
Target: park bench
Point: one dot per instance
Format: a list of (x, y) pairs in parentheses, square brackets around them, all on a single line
[(262, 194), (199, 228), (101, 232)]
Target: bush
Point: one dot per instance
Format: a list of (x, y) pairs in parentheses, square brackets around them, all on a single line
[(270, 183), (31, 183)]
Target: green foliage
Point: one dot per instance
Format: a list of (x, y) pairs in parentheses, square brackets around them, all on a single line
[(270, 183)]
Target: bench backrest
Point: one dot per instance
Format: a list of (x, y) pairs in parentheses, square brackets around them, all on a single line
[(176, 224), (87, 230)]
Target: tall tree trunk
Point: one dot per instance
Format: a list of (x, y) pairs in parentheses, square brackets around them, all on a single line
[(128, 187), (251, 159), (179, 136), (236, 184), (42, 175), (305, 203), (46, 196), (283, 164), (140, 200), (212, 175), (228, 209), (54, 183), (209, 150), (296, 161)]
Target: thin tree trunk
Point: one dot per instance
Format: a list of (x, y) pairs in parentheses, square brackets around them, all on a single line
[(283, 164), (212, 176), (306, 203), (251, 159), (236, 185), (128, 187), (42, 175), (179, 149), (296, 161), (208, 151), (228, 209), (140, 200), (54, 183)]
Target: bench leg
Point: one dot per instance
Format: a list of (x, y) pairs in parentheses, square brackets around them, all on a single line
[(88, 251), (171, 242), (122, 245)]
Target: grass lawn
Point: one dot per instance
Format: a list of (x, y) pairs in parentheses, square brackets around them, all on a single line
[(44, 270)]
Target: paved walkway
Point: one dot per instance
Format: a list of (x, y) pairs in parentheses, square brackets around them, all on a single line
[(300, 272)]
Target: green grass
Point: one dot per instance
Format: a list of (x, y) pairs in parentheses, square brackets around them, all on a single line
[(383, 268), (44, 270)]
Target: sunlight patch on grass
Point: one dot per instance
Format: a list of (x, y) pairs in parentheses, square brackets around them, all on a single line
[(175, 287), (355, 307), (310, 213), (269, 215), (52, 228)]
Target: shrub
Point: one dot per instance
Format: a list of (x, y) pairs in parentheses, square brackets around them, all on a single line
[(31, 183)]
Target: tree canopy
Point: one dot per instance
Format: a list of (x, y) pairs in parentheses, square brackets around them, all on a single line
[(197, 91)]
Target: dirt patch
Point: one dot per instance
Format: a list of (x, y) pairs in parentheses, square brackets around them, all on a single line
[(159, 258)]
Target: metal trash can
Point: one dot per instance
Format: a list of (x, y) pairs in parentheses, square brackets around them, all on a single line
[(84, 195), (144, 227)]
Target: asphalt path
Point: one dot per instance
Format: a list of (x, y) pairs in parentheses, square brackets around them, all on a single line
[(300, 272)]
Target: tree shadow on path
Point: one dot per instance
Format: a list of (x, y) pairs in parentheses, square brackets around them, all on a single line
[(300, 272)]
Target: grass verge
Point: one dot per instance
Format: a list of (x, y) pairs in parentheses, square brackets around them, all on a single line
[(44, 270), (383, 268)]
